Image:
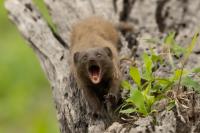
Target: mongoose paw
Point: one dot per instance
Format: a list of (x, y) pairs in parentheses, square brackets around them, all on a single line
[(111, 97), (97, 114)]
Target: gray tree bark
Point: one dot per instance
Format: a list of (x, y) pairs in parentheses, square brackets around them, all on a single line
[(151, 18)]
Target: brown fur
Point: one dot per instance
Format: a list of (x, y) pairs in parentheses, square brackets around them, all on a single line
[(90, 36)]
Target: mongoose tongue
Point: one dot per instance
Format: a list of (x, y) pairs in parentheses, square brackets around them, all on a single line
[(95, 74), (95, 78)]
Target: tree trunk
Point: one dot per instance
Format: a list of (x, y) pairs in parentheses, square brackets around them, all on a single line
[(151, 18)]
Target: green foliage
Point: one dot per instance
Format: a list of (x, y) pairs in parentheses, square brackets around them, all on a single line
[(126, 85), (190, 83), (26, 104), (135, 74), (138, 100), (143, 95), (190, 47), (175, 48), (148, 64), (196, 70)]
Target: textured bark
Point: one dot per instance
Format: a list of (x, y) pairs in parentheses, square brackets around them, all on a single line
[(151, 18)]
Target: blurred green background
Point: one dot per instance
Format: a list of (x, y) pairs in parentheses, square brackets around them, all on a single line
[(26, 104)]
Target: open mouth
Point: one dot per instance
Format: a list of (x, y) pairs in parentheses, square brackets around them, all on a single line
[(95, 74)]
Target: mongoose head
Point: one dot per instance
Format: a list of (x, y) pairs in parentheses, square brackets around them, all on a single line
[(94, 65)]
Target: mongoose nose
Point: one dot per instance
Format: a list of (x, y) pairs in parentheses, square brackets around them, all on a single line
[(92, 61)]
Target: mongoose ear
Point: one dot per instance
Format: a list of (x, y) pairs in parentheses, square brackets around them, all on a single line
[(108, 51), (76, 56)]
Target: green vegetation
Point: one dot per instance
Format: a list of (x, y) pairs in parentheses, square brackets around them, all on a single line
[(26, 104), (154, 88)]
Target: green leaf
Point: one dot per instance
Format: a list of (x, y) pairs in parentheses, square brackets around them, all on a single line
[(190, 47), (190, 83), (152, 41), (162, 81), (171, 105), (156, 58), (128, 111), (196, 70), (168, 86), (125, 85), (149, 100), (178, 73), (139, 101), (169, 39), (178, 50), (135, 74), (147, 90), (153, 111), (147, 66), (156, 88), (169, 42), (164, 84)]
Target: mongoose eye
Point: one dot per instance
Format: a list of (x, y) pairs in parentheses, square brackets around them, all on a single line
[(98, 55), (85, 57)]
